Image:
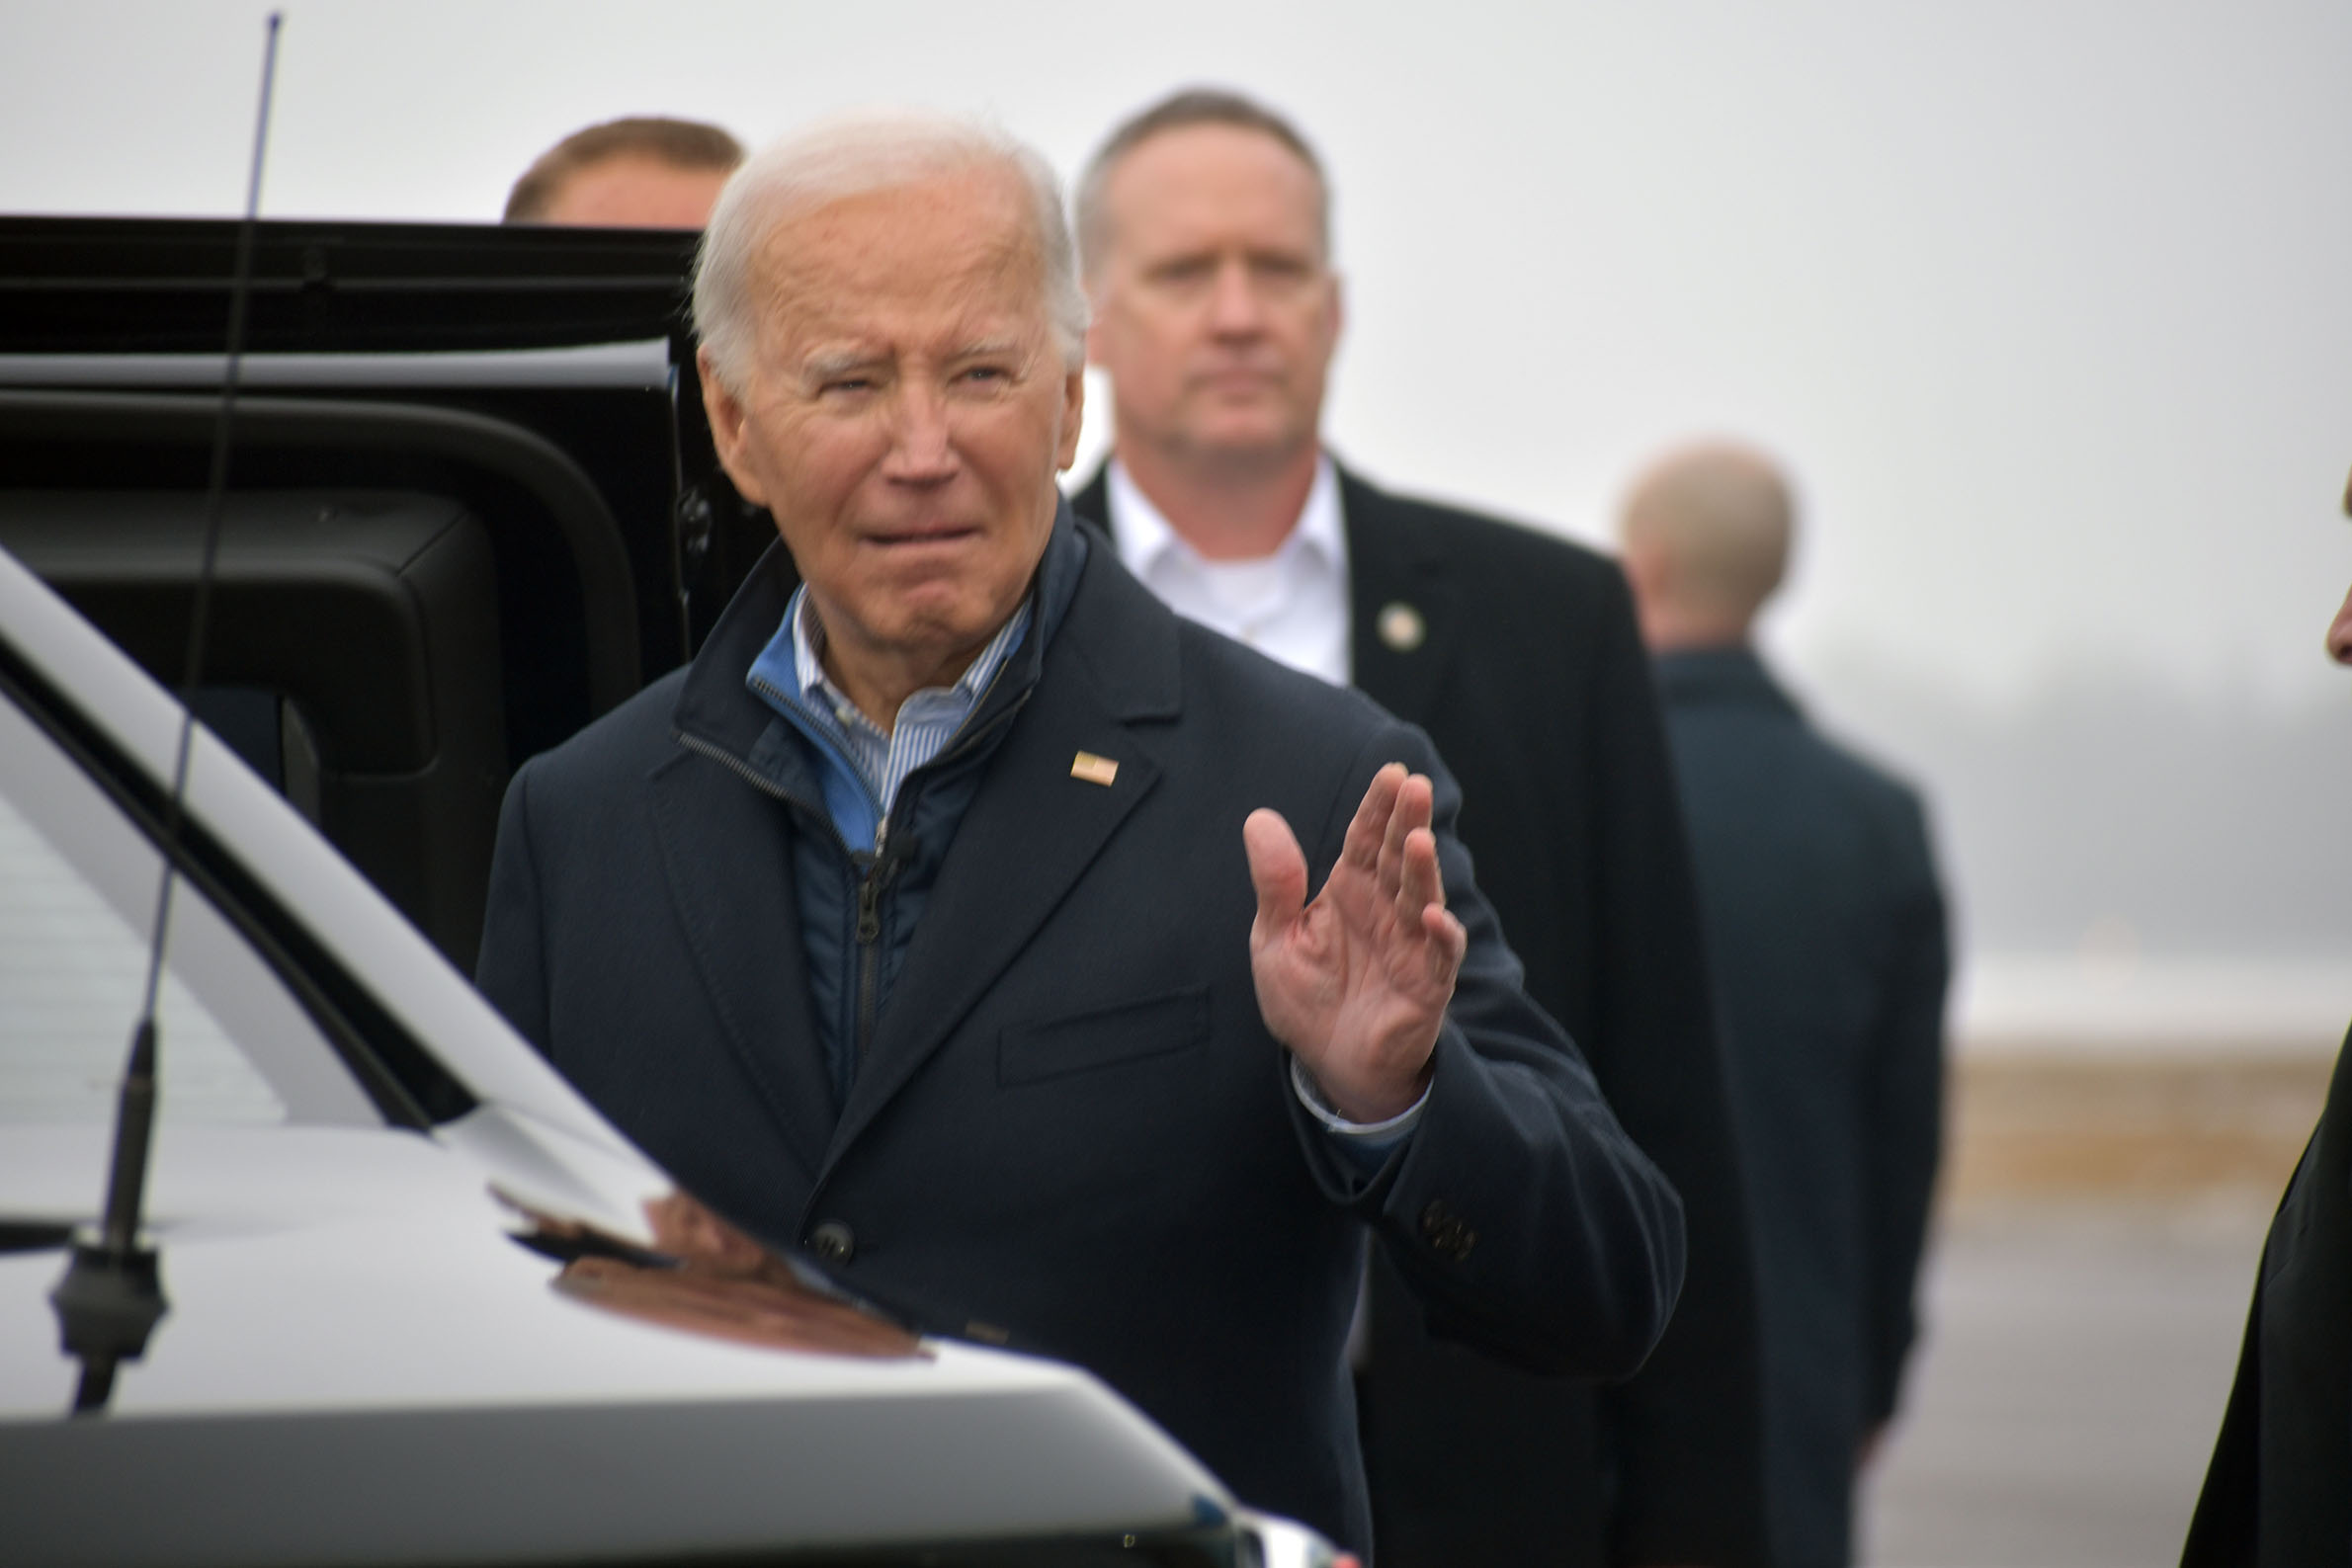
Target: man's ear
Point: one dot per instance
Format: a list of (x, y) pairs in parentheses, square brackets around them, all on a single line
[(1648, 566), (1650, 577), (728, 420), (1094, 324), (1073, 417)]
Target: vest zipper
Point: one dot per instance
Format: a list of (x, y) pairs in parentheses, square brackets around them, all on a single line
[(875, 870), (879, 871), (868, 950), (748, 774), (870, 891)]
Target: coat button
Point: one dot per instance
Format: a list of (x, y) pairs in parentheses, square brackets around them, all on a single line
[(834, 1241), (1446, 1232)]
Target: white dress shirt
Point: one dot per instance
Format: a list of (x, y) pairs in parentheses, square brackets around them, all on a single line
[(1291, 605)]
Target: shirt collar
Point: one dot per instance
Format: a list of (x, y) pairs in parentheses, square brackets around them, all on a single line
[(816, 687), (1144, 536)]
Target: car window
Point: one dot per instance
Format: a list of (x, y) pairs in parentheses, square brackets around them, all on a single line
[(77, 899)]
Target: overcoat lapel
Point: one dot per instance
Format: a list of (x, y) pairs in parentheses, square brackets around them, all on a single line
[(1403, 607), (1032, 830), (1092, 500), (742, 930)]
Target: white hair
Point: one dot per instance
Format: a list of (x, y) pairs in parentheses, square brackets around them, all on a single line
[(852, 155)]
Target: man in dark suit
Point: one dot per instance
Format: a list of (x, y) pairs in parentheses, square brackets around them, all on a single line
[(1825, 927), (2279, 1491), (944, 922), (1203, 228)]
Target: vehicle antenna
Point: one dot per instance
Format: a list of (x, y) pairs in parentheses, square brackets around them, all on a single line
[(111, 1296)]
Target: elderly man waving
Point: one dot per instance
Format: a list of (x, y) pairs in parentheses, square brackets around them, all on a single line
[(947, 919)]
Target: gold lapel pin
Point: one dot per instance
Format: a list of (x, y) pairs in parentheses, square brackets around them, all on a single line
[(1094, 770), (1401, 626)]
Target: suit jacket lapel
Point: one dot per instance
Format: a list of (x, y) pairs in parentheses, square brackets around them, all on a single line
[(1393, 567), (1033, 827), (743, 933), (1403, 607)]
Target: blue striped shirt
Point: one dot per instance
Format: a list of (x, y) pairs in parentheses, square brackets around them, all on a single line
[(867, 764)]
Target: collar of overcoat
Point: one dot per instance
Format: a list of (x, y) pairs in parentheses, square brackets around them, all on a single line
[(1730, 676), (1101, 677)]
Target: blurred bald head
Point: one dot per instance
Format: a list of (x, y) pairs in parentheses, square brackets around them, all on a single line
[(1706, 532)]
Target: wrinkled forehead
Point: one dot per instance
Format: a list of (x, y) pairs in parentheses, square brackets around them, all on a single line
[(944, 254)]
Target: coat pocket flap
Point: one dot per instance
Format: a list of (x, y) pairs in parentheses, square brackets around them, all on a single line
[(1103, 1036)]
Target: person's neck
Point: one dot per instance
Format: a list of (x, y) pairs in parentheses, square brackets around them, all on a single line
[(880, 680), (1668, 628), (1227, 509)]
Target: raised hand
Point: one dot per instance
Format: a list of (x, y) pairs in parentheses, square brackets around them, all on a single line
[(1356, 983)]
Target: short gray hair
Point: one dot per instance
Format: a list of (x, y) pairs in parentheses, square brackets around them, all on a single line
[(679, 144), (1194, 105), (852, 155)]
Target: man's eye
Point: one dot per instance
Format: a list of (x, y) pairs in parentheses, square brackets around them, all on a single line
[(841, 384), (1189, 270), (987, 374)]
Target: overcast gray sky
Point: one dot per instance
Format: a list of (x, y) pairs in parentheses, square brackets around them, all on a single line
[(2048, 306)]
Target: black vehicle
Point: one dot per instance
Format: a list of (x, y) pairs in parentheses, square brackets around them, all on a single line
[(472, 499)]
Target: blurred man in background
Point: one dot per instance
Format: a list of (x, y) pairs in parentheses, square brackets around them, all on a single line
[(2280, 1487), (1205, 233), (642, 172), (1825, 928)]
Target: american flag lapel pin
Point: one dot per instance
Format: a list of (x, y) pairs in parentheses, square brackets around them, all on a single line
[(1092, 768)]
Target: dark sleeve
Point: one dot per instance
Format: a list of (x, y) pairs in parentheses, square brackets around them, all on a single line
[(2221, 1530), (1686, 1435), (1903, 1111), (2280, 1485), (512, 968), (1524, 1219)]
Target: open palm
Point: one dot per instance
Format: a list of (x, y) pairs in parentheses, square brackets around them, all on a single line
[(1356, 983)]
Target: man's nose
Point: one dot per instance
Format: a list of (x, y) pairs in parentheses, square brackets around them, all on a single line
[(922, 446), (2339, 636), (1233, 307)]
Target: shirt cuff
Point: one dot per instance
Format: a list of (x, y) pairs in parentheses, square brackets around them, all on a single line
[(1367, 1136)]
